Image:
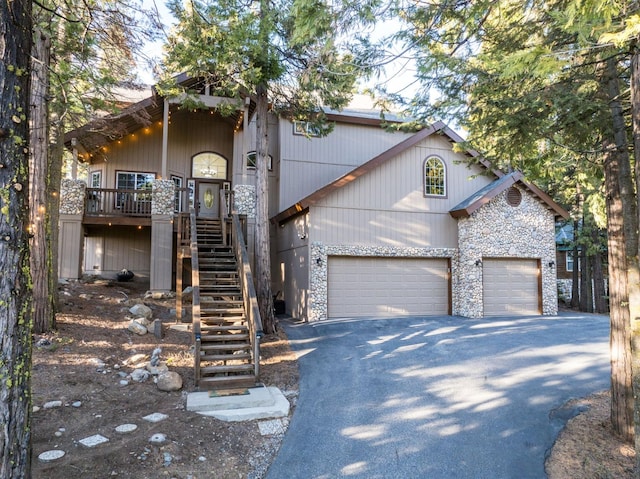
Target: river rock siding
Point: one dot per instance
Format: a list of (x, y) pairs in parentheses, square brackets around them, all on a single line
[(499, 230)]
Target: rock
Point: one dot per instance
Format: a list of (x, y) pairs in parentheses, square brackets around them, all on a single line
[(126, 428), (161, 368), (167, 459), (141, 311), (52, 404), (124, 382), (35, 408), (187, 293), (43, 343), (158, 438), (86, 296), (169, 381), (155, 357), (76, 404), (137, 328), (139, 375), (97, 362), (135, 359), (53, 455), (159, 295)]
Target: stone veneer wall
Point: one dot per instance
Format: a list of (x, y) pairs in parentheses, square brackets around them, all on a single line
[(244, 200), (317, 305), (72, 196), (163, 197), (498, 230)]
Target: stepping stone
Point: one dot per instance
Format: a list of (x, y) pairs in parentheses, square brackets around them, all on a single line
[(50, 456), (93, 441), (155, 417), (158, 438), (126, 428)]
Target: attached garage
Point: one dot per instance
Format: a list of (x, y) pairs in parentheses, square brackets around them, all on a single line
[(387, 287), (511, 286)]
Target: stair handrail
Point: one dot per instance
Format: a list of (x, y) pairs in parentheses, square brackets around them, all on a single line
[(250, 299), (195, 284)]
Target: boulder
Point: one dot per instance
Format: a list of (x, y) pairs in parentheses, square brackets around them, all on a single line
[(169, 381), (141, 311), (137, 328)]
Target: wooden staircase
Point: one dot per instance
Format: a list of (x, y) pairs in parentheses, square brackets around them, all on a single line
[(224, 346)]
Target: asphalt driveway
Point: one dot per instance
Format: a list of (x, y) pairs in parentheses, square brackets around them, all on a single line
[(437, 397)]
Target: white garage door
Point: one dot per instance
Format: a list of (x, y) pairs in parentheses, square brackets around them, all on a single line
[(510, 286), (384, 287)]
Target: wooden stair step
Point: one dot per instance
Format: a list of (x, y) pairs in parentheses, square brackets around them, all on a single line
[(226, 327), (225, 357), (211, 347), (227, 368), (247, 380), (218, 319), (224, 337)]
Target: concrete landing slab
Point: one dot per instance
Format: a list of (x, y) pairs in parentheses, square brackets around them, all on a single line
[(259, 403)]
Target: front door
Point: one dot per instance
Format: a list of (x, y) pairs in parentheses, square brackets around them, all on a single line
[(208, 199)]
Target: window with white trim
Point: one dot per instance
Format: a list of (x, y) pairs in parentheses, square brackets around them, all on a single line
[(251, 161), (305, 128), (435, 177), (134, 180), (96, 179), (177, 180), (569, 261)]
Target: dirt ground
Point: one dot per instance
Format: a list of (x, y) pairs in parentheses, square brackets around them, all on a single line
[(92, 351)]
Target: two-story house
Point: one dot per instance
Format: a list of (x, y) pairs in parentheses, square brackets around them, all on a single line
[(364, 221)]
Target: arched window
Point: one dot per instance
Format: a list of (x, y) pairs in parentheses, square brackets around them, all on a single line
[(209, 165), (435, 177)]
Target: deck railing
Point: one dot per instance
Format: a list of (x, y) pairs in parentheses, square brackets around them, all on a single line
[(127, 202), (195, 280), (252, 311)]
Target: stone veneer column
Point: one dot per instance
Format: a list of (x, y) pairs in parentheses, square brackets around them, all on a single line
[(162, 211), (499, 230), (71, 234)]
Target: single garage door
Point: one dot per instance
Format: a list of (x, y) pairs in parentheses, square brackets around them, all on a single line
[(384, 287), (510, 286)]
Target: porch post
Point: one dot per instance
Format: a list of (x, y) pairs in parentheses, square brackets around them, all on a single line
[(162, 204), (71, 232), (165, 139)]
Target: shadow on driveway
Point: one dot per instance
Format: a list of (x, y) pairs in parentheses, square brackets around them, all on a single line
[(437, 397)]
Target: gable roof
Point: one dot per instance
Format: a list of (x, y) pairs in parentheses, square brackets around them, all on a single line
[(463, 209)]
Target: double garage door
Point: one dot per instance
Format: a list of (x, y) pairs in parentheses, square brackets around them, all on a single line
[(386, 287)]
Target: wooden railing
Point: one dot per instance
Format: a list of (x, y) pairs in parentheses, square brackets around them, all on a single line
[(252, 311), (126, 202), (195, 280), (117, 202)]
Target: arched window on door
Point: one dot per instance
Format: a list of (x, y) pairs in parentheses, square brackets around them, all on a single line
[(209, 165)]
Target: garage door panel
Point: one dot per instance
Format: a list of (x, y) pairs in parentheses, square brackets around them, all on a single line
[(385, 287), (510, 286)]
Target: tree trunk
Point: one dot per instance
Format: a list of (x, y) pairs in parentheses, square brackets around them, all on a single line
[(43, 310), (632, 256), (575, 274), (621, 218), (262, 249), (598, 277), (15, 303), (586, 299)]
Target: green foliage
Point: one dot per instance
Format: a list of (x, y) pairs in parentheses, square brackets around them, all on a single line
[(290, 45)]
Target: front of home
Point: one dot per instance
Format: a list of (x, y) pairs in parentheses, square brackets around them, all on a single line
[(364, 222)]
